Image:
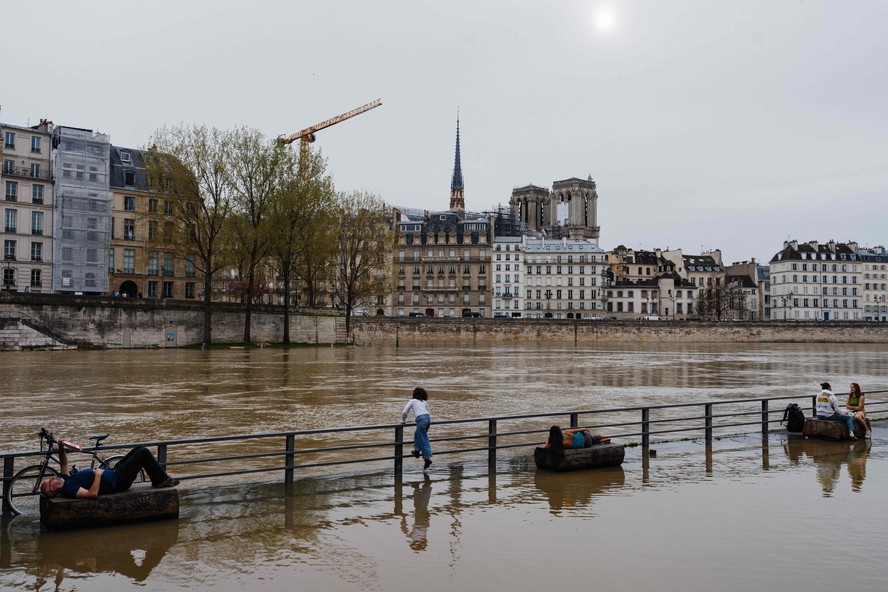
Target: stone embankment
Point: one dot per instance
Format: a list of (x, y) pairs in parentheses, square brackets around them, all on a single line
[(368, 330), (35, 321)]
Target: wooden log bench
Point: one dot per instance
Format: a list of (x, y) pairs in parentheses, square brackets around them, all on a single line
[(598, 455), (141, 503), (825, 429)]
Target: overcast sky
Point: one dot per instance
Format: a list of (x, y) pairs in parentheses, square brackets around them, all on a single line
[(706, 124)]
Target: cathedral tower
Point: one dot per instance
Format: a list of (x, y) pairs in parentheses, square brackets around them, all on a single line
[(457, 199)]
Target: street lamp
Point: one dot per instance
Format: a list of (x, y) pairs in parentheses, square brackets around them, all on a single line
[(8, 275)]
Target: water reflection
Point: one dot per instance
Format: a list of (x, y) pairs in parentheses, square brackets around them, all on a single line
[(828, 458), (417, 534), (577, 489)]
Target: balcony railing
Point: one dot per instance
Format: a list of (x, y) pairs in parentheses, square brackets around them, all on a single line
[(26, 172)]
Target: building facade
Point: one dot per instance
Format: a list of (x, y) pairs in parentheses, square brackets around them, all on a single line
[(81, 210), (816, 281), (508, 276), (562, 278), (141, 260), (27, 183), (875, 283)]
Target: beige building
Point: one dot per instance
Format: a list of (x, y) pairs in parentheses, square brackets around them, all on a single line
[(139, 265), (441, 265), (27, 183)]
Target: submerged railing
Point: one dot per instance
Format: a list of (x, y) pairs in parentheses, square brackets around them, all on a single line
[(295, 451)]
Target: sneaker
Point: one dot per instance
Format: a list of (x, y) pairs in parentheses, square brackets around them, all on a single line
[(428, 463), (168, 482), (869, 435), (415, 453), (852, 437)]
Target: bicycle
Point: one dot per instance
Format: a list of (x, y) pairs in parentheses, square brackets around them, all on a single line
[(22, 495)]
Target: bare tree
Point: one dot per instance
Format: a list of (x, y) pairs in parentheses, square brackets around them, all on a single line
[(717, 301), (364, 243), (190, 165)]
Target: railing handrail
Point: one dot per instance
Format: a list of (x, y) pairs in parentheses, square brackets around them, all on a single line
[(438, 422), (763, 418)]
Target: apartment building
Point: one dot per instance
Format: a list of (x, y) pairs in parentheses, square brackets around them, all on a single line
[(27, 182), (508, 276), (562, 278), (442, 263), (141, 259), (817, 281), (875, 283), (758, 276), (81, 210)]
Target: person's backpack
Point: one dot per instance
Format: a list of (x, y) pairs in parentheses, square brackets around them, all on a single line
[(794, 418)]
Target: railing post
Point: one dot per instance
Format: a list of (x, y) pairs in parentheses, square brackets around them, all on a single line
[(574, 420), (645, 427), (399, 450), (162, 455), (765, 417), (814, 406), (708, 413), (289, 458), (491, 444), (8, 466)]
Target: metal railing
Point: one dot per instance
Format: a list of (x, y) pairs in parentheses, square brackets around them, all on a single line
[(277, 452)]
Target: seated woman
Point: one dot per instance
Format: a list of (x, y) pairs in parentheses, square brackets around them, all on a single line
[(854, 405), (827, 407)]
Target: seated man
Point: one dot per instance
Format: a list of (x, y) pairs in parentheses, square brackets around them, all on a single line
[(90, 483), (827, 407)]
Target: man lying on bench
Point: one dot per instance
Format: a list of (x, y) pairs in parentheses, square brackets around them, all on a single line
[(90, 483)]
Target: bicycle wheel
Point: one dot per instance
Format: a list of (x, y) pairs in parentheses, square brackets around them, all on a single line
[(109, 463), (23, 495)]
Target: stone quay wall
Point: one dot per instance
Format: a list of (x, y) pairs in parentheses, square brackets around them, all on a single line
[(367, 330), (38, 321)]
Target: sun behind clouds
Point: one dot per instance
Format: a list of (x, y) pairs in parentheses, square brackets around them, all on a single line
[(604, 19)]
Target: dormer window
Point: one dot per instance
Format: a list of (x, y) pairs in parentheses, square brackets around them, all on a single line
[(125, 158), (129, 177)]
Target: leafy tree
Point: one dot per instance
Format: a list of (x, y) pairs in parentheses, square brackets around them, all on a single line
[(259, 170), (190, 165), (300, 227), (364, 244)]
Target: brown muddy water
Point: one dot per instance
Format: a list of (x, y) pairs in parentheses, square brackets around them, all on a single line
[(743, 514)]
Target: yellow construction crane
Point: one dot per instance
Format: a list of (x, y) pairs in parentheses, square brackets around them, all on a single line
[(307, 136)]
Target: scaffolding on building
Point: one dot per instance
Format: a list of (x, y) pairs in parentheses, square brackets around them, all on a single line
[(82, 210)]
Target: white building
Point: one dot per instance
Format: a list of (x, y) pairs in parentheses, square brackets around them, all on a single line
[(508, 276), (82, 210), (813, 281), (875, 283), (561, 278)]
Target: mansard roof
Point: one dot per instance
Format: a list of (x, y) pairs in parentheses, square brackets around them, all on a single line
[(700, 263), (831, 251), (743, 280), (127, 159)]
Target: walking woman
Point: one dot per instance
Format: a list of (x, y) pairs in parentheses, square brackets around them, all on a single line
[(854, 405), (419, 405)]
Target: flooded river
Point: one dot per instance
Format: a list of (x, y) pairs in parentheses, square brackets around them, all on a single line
[(739, 515)]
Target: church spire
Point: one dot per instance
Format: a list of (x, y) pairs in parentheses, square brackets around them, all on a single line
[(457, 199)]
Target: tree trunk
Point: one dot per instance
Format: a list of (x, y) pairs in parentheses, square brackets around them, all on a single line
[(286, 276)]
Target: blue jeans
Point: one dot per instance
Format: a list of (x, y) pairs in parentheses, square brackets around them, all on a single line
[(839, 416), (421, 436)]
